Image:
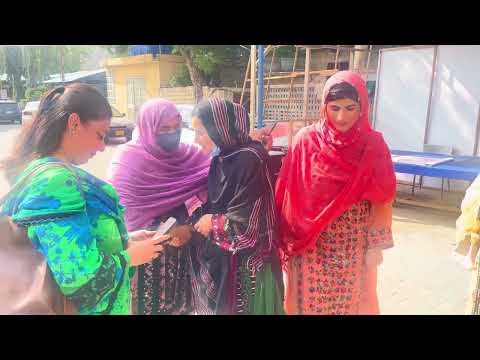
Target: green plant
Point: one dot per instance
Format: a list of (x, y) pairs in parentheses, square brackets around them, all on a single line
[(181, 78), (203, 63), (117, 50), (35, 93)]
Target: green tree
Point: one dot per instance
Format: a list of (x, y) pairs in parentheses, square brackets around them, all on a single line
[(203, 61), (32, 65), (14, 69), (117, 50), (2, 62), (40, 62), (35, 93), (37, 63), (181, 78), (75, 55)]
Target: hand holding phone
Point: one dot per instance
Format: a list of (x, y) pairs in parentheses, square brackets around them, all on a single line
[(164, 228)]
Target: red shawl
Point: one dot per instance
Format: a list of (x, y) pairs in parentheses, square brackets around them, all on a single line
[(326, 172)]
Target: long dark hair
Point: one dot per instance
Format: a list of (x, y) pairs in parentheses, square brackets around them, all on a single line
[(44, 135)]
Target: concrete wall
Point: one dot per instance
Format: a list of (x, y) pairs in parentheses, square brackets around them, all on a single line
[(184, 95), (156, 72), (179, 95)]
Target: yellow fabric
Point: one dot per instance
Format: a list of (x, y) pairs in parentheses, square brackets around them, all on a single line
[(468, 224)]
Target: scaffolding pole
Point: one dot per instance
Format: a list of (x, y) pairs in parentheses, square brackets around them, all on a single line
[(305, 84), (260, 87), (253, 63)]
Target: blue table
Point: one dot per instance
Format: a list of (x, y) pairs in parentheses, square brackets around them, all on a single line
[(460, 168)]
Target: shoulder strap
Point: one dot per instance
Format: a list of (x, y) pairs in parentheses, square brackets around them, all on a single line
[(34, 172)]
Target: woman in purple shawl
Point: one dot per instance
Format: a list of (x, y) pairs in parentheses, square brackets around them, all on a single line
[(158, 177)]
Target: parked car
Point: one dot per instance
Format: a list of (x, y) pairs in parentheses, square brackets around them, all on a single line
[(30, 111), (10, 112), (121, 126)]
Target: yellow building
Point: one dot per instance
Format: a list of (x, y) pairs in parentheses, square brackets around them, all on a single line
[(132, 80)]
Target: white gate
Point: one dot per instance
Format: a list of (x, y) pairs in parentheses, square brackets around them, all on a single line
[(135, 96)]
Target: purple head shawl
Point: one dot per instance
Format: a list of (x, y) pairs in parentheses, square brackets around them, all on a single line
[(151, 181)]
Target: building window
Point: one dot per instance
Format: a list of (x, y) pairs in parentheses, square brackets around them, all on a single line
[(110, 88)]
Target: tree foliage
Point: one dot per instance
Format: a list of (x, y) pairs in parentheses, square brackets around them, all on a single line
[(204, 61), (14, 69), (116, 50), (181, 78), (37, 63)]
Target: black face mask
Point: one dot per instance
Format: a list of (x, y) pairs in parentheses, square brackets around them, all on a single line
[(169, 142)]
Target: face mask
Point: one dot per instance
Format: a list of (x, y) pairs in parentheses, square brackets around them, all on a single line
[(169, 142)]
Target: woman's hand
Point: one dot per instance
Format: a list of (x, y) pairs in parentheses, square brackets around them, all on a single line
[(139, 235), (263, 135), (204, 225), (373, 258), (145, 250), (181, 235)]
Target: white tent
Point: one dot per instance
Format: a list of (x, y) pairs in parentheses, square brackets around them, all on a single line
[(429, 95)]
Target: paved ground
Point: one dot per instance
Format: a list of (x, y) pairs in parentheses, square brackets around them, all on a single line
[(418, 275)]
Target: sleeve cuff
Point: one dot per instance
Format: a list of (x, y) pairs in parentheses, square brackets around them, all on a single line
[(219, 235)]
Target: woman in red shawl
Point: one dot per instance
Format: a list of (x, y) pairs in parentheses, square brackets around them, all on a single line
[(334, 195)]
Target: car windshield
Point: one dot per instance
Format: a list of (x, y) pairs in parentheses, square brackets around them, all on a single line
[(9, 107)]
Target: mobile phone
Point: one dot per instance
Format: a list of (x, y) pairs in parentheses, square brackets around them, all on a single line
[(164, 228)]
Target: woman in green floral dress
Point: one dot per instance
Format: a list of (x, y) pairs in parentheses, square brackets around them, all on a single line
[(74, 219)]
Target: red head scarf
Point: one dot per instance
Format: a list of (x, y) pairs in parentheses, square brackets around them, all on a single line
[(327, 171)]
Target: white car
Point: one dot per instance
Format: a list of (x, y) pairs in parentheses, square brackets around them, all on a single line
[(30, 111)]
